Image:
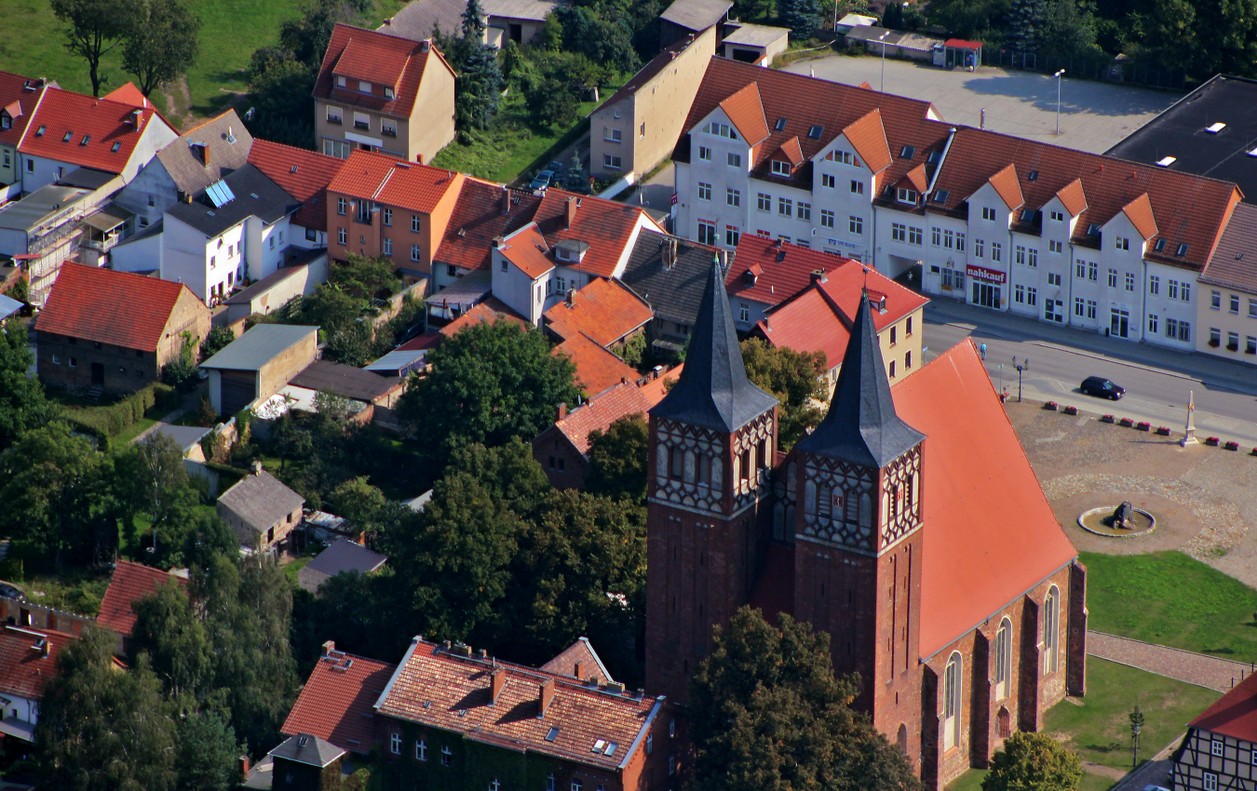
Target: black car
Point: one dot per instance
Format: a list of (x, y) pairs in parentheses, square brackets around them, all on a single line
[(1102, 388)]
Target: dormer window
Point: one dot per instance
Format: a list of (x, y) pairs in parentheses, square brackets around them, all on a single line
[(749, 277), (388, 93), (570, 251), (781, 168), (5, 121), (838, 155), (340, 81), (1093, 230), (364, 86), (905, 195)]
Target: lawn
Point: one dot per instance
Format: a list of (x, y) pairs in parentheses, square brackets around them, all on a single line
[(972, 781), (1171, 599)]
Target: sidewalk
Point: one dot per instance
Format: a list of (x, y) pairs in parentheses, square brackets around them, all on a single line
[(1199, 669)]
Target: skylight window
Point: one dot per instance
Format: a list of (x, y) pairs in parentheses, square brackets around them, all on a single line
[(1033, 176), (40, 131), (66, 137), (600, 745), (114, 148), (941, 196), (814, 132), (1214, 128), (780, 125), (1165, 162), (907, 152), (935, 157), (1159, 246), (553, 734), (85, 140), (1182, 249)]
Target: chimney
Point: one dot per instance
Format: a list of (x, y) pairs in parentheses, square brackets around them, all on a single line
[(425, 45), (669, 253), (497, 682), (44, 647), (137, 118), (580, 666), (562, 411), (571, 297), (818, 276), (545, 694), (243, 762), (571, 213), (257, 467), (328, 647), (499, 242), (506, 200)]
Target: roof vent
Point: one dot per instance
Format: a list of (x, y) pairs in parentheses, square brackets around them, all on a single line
[(1165, 162), (1216, 127)]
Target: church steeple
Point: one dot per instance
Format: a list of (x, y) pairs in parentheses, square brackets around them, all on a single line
[(862, 426), (713, 391)]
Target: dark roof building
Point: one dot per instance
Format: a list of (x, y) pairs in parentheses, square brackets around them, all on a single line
[(342, 557), (255, 196), (206, 153), (670, 273), (302, 174)]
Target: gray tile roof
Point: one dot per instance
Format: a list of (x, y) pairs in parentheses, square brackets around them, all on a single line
[(306, 749), (417, 19), (713, 391), (255, 195), (862, 426), (261, 344), (696, 15), (260, 500), (341, 557), (228, 143), (8, 306), (675, 292)]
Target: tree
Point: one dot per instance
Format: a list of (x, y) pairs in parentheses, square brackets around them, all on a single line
[(169, 634), (767, 713), (973, 19), (1025, 25), (162, 43), (206, 752), (479, 87), (339, 315), (100, 728), (1069, 28), (366, 278), (22, 402), (218, 339), (153, 475), (801, 16), (1033, 760), (489, 383), (94, 28), (795, 378), (617, 460), (605, 38)]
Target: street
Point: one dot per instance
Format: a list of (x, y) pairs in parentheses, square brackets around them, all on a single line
[(1157, 382)]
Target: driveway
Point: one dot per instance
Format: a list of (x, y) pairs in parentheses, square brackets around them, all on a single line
[(1093, 115)]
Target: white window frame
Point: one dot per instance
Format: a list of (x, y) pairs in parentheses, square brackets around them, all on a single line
[(781, 168), (421, 749), (395, 743), (1051, 630), (953, 689)]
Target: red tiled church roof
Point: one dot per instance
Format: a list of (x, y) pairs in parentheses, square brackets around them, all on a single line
[(989, 533), (130, 583), (106, 306), (1234, 714), (301, 173), (103, 122), (338, 699)]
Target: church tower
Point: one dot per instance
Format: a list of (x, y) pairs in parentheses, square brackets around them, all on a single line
[(858, 536), (713, 440)]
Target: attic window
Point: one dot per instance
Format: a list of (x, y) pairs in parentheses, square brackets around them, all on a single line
[(1182, 249), (66, 138), (388, 93), (814, 132), (781, 168), (553, 734), (941, 196), (85, 140), (340, 81), (1033, 176), (1159, 246), (40, 131), (114, 148), (1165, 162), (600, 745), (908, 152), (1029, 215), (1214, 128), (934, 157), (1093, 230), (610, 748), (780, 125)]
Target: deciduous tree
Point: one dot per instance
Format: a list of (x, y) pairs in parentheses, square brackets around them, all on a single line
[(795, 378), (94, 28), (1033, 760), (617, 460), (23, 405), (162, 43)]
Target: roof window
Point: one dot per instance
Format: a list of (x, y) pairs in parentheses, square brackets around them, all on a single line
[(1165, 162), (114, 148), (780, 125), (553, 734), (1093, 230), (814, 132), (1216, 127), (40, 131), (907, 152), (86, 139), (1159, 246), (934, 157), (66, 137), (941, 196), (1032, 175), (1029, 215), (1182, 249)]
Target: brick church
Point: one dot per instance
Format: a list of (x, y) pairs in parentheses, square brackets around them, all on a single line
[(909, 526)]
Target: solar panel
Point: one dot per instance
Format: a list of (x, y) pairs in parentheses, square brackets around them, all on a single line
[(227, 193), (219, 194)]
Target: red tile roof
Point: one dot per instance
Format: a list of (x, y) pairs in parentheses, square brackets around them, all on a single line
[(610, 405), (990, 534), (582, 655), (25, 670), (19, 103), (103, 305), (101, 121), (301, 173), (596, 368), (1005, 184), (868, 137), (1234, 714), (434, 688), (527, 249), (394, 182), (604, 310), (784, 269), (1139, 212), (378, 58), (1073, 198), (130, 583), (480, 215), (792, 152), (746, 112), (338, 699), (607, 226), (491, 310)]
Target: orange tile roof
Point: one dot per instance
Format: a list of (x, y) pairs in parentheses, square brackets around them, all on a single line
[(1234, 714), (25, 671), (596, 368), (604, 310), (1005, 184), (1073, 197), (130, 583), (102, 121), (1139, 212), (989, 533), (917, 178), (746, 112), (480, 215), (434, 688), (607, 226), (490, 311), (527, 249), (792, 152), (378, 58), (338, 699), (784, 269), (19, 102), (867, 136), (103, 305), (608, 406), (301, 173), (394, 182)]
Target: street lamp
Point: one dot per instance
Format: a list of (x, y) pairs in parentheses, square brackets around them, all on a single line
[(1057, 75), (1021, 367), (882, 40), (1136, 725)]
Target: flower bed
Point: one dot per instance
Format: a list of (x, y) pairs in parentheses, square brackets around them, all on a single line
[(1107, 418), (1143, 425), (1214, 441), (1164, 431), (1232, 445), (1126, 422), (1071, 410), (1051, 406)]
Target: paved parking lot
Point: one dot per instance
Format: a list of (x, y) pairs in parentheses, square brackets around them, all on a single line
[(1093, 115)]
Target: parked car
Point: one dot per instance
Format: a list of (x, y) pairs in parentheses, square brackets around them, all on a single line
[(541, 180), (1155, 788), (1102, 388)]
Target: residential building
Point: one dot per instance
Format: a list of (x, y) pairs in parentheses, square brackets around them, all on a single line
[(341, 557), (28, 662), (519, 21), (636, 128), (256, 365), (115, 331), (304, 175), (670, 274), (522, 273), (1226, 308), (483, 212), (199, 157), (1220, 748), (758, 45), (130, 583), (581, 662), (1045, 232), (337, 700), (441, 715), (380, 92), (261, 511), (606, 311), (685, 18), (44, 230), (378, 205), (305, 763), (886, 527), (18, 98), (591, 237)]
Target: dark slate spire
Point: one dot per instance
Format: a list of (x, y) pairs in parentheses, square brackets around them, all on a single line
[(713, 391), (862, 426)]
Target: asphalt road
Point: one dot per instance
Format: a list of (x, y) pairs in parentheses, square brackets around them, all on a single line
[(1157, 385)]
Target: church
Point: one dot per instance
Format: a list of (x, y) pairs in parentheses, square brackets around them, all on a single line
[(908, 525)]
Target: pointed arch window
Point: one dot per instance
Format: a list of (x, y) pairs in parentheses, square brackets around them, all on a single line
[(952, 683), (1051, 629), (1003, 658)]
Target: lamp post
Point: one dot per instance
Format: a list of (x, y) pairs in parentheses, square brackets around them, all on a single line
[(882, 40), (1058, 75), (1136, 725), (1021, 367)]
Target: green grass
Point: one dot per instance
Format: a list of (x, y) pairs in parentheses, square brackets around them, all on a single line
[(1099, 727), (972, 781), (127, 436), (77, 591), (1171, 599)]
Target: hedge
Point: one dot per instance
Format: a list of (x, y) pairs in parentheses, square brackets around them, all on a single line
[(109, 421)]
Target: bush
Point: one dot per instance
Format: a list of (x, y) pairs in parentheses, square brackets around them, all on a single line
[(109, 421)]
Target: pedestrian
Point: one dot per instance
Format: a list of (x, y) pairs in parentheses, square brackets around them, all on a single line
[(982, 350)]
